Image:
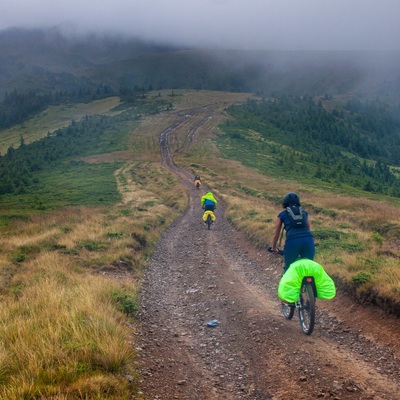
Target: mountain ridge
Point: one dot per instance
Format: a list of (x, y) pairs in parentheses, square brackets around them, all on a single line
[(116, 60)]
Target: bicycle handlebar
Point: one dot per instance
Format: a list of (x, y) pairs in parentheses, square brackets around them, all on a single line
[(280, 251)]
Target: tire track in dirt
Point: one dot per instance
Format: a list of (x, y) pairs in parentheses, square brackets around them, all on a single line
[(196, 275)]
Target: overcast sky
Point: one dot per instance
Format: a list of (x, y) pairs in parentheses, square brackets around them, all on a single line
[(238, 24)]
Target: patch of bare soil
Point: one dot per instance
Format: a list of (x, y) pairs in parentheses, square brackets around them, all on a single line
[(198, 275)]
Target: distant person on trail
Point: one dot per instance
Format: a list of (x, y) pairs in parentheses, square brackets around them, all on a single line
[(197, 181), (209, 204), (299, 241)]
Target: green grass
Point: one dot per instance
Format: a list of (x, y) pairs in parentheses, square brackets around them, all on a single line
[(261, 155), (66, 185), (53, 118)]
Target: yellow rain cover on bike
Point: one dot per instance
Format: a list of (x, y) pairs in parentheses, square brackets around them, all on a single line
[(205, 215), (290, 283)]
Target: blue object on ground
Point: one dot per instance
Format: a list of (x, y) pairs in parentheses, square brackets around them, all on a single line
[(213, 323)]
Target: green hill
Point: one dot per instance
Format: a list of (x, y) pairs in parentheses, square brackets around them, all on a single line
[(356, 144)]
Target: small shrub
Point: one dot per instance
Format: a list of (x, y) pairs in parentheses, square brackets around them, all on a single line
[(125, 212), (126, 302), (249, 191), (18, 257), (333, 244), (361, 278), (70, 251), (323, 234), (377, 238), (161, 219), (351, 247), (23, 253), (114, 235), (140, 240), (321, 210), (92, 245)]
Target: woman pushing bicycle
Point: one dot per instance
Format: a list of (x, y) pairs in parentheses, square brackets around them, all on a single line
[(294, 220)]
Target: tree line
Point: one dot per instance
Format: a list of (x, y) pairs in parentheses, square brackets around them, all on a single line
[(357, 144), (18, 107), (20, 167)]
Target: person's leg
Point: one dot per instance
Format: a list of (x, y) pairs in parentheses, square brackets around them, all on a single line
[(291, 252), (308, 248)]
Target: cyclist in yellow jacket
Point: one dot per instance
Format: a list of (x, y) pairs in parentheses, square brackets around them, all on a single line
[(209, 204)]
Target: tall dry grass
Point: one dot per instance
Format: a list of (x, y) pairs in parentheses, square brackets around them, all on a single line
[(63, 327), (68, 287)]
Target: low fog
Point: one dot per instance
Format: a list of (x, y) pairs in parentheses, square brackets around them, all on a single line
[(235, 24)]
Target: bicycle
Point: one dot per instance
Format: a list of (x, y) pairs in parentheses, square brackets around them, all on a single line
[(305, 304)]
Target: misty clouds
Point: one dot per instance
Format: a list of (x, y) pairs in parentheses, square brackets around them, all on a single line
[(243, 24)]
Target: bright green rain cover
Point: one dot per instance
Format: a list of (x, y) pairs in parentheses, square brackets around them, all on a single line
[(290, 283)]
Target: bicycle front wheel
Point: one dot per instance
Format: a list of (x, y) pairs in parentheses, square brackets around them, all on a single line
[(288, 310), (307, 308)]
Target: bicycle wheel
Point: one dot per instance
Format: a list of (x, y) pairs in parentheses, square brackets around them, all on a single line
[(307, 308), (209, 221), (288, 310)]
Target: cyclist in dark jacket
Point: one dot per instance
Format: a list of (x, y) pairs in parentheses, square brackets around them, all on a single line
[(197, 181), (299, 241)]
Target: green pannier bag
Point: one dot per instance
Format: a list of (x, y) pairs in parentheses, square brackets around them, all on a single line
[(290, 283)]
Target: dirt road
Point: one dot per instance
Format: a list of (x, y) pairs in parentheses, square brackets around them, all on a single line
[(196, 275)]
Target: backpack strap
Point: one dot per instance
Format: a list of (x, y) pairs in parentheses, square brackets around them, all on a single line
[(298, 219)]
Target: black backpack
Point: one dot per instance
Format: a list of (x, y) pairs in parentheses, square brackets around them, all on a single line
[(297, 217)]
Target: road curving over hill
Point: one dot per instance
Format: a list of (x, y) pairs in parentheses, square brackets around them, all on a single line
[(196, 275)]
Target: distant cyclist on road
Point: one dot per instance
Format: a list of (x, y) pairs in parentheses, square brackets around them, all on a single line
[(197, 181), (299, 239), (209, 204)]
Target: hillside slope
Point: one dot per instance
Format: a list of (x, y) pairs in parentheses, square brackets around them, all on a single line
[(90, 222), (48, 60)]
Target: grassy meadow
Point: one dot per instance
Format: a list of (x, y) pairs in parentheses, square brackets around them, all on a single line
[(74, 245), (68, 282), (72, 254)]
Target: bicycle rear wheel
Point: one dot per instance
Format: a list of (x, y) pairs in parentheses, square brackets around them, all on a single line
[(209, 221), (307, 308)]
